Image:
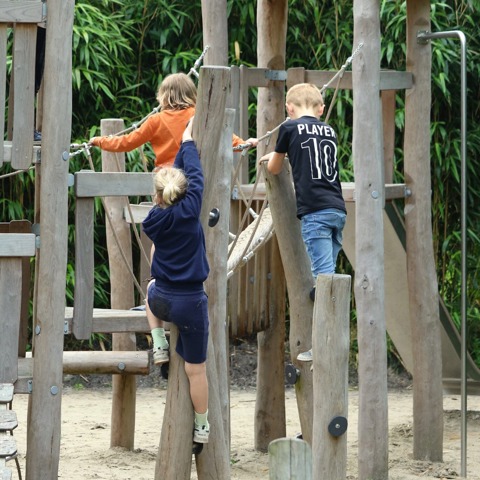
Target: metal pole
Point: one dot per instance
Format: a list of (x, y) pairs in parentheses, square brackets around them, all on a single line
[(423, 37)]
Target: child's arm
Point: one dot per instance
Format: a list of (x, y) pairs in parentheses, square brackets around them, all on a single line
[(275, 162)]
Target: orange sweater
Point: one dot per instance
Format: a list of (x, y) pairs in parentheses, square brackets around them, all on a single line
[(163, 130)]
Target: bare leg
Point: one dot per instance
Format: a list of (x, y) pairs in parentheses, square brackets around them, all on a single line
[(197, 376)]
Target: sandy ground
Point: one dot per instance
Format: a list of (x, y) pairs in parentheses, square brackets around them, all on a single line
[(85, 452)]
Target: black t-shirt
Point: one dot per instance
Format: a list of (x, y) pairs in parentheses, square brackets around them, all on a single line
[(311, 146)]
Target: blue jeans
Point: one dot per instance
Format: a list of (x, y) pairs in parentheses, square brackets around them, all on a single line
[(322, 234)]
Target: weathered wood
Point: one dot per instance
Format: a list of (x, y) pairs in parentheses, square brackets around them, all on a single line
[(8, 420), (392, 191), (6, 393), (100, 184), (388, 116), (331, 345), (105, 320), (421, 272), (296, 265), (8, 446), (10, 306), (5, 473), (121, 296), (214, 146), (17, 245), (45, 407), (139, 212), (96, 362), (21, 11), (215, 32), (246, 246), (82, 324), (8, 149), (369, 273), (24, 94), (3, 83), (290, 459), (270, 420)]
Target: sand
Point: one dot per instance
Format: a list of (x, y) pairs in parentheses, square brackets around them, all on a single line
[(85, 452)]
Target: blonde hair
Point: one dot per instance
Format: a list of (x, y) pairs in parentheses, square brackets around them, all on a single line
[(170, 185), (305, 95), (177, 92)]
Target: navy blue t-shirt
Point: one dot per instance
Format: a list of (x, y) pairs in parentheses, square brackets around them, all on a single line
[(311, 147)]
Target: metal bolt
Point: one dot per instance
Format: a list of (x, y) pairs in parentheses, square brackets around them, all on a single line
[(54, 390)]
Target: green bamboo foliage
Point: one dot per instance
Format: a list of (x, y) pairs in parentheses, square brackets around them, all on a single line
[(122, 49)]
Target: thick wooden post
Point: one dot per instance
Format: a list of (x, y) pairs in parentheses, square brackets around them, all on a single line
[(290, 459), (298, 275), (270, 402), (369, 248), (215, 31), (121, 296), (331, 345), (421, 274), (43, 432), (175, 452)]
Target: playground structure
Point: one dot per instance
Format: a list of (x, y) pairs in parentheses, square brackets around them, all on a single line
[(256, 297)]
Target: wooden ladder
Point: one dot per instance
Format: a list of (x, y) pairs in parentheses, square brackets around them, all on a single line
[(8, 423)]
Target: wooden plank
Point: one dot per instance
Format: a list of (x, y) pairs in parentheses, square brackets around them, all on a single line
[(3, 83), (290, 459), (8, 446), (5, 473), (84, 265), (8, 149), (113, 321), (21, 11), (102, 184), (8, 420), (389, 80), (25, 36), (392, 191), (6, 393), (331, 314), (139, 212), (17, 245), (10, 306)]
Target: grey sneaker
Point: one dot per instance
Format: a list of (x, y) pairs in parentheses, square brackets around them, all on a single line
[(201, 433), (160, 356), (305, 356)]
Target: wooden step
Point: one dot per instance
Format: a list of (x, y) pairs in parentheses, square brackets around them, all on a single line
[(8, 421), (6, 393), (8, 446)]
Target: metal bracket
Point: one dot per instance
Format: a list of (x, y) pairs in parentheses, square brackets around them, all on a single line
[(280, 75), (66, 330), (235, 195), (422, 37)]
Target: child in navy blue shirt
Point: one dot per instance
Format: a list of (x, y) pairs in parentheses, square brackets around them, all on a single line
[(179, 268), (311, 146)]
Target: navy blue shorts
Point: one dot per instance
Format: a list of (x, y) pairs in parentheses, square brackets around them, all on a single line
[(189, 312)]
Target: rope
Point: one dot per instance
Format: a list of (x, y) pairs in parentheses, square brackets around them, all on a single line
[(16, 172)]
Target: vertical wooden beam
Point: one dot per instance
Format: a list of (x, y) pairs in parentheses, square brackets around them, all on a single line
[(24, 94), (298, 275), (369, 248), (215, 31), (3, 83), (270, 401), (290, 458), (121, 295), (388, 116), (43, 432), (421, 273), (331, 346)]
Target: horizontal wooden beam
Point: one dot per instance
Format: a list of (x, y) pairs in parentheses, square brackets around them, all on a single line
[(392, 191), (139, 212), (113, 184), (7, 152), (112, 321), (17, 245), (21, 11), (95, 362)]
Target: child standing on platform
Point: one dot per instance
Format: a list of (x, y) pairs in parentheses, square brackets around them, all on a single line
[(311, 146)]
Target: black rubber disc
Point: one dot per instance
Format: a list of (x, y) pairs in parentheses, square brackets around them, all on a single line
[(338, 426), (292, 374)]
